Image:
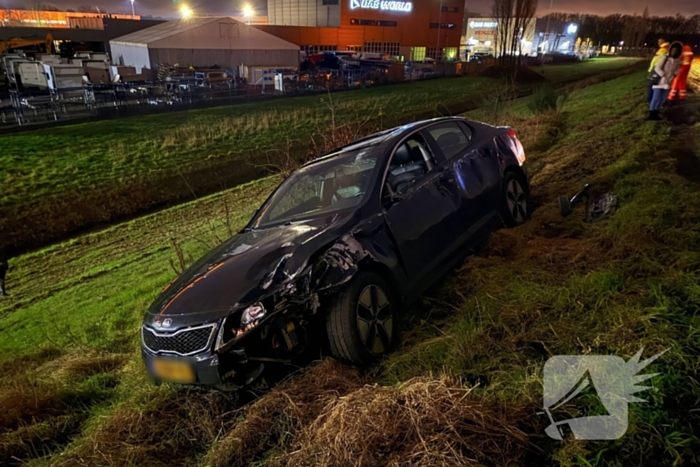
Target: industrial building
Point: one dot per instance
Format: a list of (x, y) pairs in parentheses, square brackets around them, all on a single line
[(539, 36), (71, 32), (410, 30), (204, 42)]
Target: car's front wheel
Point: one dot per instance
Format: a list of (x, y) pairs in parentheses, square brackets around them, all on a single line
[(515, 202), (362, 322)]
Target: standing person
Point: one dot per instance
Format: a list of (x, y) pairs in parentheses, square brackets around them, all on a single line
[(662, 76), (4, 266), (662, 51), (678, 88)]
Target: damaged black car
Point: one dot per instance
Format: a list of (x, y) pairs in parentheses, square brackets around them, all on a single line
[(335, 254)]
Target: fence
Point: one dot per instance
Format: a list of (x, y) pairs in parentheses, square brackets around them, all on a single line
[(32, 107)]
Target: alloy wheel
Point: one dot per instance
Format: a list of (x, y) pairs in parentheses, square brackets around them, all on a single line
[(375, 320), (517, 201)]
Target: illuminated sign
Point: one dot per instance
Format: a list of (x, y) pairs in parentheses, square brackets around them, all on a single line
[(385, 5), (483, 24), (572, 29)]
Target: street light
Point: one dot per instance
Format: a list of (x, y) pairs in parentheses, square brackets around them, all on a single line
[(437, 52), (185, 12), (132, 8), (248, 12)]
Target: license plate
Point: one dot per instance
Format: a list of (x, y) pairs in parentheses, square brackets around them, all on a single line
[(174, 371)]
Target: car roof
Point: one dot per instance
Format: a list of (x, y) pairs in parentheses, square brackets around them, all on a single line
[(381, 137)]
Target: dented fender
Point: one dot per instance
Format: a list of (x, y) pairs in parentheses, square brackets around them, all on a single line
[(341, 262)]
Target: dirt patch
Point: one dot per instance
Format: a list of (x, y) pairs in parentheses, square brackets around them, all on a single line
[(684, 115)]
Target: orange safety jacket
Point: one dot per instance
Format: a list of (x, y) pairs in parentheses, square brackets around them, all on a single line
[(679, 89)]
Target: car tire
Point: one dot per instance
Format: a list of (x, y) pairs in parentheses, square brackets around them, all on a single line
[(515, 202), (362, 323)]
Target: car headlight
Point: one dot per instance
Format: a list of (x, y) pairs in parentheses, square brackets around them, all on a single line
[(252, 314), (233, 327)]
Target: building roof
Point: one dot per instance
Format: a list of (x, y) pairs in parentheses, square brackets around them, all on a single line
[(112, 28), (210, 32)]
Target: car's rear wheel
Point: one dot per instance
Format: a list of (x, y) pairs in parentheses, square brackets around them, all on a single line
[(515, 202), (362, 323)]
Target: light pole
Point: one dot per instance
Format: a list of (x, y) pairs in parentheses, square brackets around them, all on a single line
[(132, 8), (549, 16), (437, 51)]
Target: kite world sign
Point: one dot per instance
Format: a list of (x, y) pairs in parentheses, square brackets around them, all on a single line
[(381, 5)]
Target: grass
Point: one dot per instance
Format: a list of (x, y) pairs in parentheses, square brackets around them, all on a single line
[(467, 382), (65, 179), (44, 162), (572, 71)]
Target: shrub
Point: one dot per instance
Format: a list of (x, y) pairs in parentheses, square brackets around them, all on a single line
[(543, 99)]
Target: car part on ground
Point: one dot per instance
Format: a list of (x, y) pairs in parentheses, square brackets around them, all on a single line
[(329, 261), (598, 207)]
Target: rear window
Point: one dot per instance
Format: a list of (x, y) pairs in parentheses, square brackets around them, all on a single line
[(451, 138)]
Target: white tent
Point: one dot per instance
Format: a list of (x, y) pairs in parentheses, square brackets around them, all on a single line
[(203, 42)]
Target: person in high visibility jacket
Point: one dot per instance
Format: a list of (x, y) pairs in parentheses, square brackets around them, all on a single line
[(679, 87), (661, 52), (662, 77)]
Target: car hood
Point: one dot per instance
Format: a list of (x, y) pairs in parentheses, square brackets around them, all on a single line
[(246, 268)]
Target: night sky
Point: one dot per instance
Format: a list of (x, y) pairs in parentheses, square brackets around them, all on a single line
[(169, 8)]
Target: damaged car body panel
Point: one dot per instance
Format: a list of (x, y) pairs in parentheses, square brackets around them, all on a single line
[(381, 218)]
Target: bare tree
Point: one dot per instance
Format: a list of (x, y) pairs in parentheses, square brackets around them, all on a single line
[(503, 13), (515, 22), (525, 11)]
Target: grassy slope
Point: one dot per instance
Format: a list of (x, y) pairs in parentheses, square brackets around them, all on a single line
[(63, 180), (554, 286), (83, 156), (568, 72)]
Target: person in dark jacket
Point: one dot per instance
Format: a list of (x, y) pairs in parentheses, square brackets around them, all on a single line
[(4, 266)]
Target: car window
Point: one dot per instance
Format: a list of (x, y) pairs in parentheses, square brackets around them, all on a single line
[(411, 160), (325, 187), (451, 138)]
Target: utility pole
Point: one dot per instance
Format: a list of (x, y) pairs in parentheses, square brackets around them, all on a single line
[(549, 17), (437, 51)]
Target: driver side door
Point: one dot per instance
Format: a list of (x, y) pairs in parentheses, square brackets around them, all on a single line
[(423, 217)]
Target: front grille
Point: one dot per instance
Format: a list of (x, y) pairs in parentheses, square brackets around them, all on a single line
[(183, 342)]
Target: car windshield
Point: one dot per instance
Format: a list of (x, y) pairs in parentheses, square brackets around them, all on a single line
[(328, 186)]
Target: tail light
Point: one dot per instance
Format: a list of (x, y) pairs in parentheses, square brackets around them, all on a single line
[(518, 149)]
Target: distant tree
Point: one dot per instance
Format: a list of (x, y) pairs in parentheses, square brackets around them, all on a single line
[(615, 28), (515, 19), (503, 11)]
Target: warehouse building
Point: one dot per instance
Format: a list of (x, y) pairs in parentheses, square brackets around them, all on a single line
[(204, 42), (539, 36), (79, 34), (410, 30)]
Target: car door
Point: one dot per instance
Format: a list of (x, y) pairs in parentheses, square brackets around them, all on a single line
[(423, 217), (474, 165)]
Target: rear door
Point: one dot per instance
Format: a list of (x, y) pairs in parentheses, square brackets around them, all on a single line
[(476, 168)]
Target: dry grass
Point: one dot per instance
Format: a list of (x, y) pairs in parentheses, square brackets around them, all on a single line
[(45, 402), (422, 422), (273, 423), (171, 430)]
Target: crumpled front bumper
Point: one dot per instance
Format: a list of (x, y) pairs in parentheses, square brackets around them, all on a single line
[(210, 368)]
